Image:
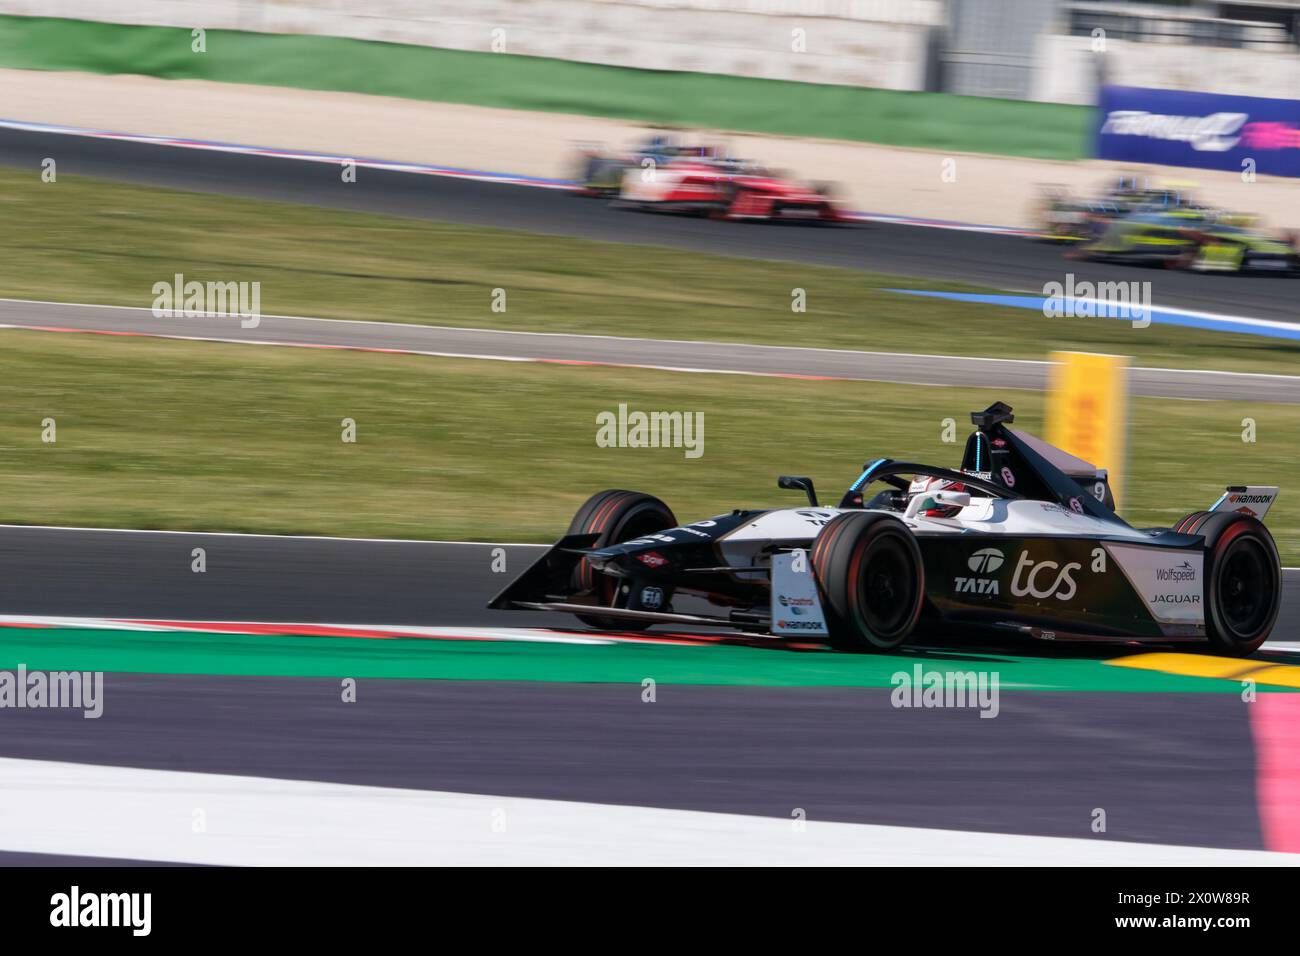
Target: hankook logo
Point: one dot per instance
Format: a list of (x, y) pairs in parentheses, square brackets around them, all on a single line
[(800, 625), (985, 561)]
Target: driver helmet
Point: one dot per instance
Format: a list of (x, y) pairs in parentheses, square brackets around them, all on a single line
[(926, 485)]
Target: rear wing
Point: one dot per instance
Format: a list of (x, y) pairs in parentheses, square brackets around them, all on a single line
[(1253, 500)]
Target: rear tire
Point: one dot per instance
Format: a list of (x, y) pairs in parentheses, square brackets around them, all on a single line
[(871, 579), (1243, 579), (615, 516)]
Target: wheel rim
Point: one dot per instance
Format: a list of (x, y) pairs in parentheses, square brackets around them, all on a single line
[(887, 587), (1245, 588)]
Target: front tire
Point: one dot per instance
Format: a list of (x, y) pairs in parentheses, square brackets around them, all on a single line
[(871, 578), (615, 516), (1243, 579)]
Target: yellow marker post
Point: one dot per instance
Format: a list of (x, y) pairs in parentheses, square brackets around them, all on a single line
[(1087, 410)]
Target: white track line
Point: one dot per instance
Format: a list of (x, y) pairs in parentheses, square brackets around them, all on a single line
[(272, 152), (183, 626), (629, 340), (278, 537), (433, 169), (296, 537), (476, 356), (81, 809)]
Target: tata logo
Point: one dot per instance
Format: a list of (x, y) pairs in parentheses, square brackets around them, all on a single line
[(975, 585), (1043, 579), (985, 561)]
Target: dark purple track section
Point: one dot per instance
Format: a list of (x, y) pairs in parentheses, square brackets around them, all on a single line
[(1166, 768)]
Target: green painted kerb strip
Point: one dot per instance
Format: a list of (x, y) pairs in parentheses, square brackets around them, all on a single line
[(169, 652), (926, 120)]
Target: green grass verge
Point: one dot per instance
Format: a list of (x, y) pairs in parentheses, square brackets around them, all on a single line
[(57, 649), (188, 435), (927, 120), (85, 240)]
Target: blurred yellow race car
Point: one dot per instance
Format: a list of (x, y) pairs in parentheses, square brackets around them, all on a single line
[(1192, 239)]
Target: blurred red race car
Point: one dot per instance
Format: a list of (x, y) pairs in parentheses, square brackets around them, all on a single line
[(727, 189)]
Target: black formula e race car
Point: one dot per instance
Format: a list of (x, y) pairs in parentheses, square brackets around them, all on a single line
[(1022, 538)]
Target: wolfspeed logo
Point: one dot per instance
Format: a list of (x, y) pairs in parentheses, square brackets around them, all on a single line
[(1216, 133), (1184, 572)]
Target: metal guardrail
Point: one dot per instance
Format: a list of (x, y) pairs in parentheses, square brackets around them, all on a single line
[(1149, 26)]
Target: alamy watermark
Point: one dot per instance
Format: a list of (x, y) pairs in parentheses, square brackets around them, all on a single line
[(1088, 300), (193, 299), (130, 910), (977, 690), (36, 690), (638, 429)]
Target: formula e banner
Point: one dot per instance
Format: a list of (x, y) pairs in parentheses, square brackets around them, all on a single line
[(1206, 130)]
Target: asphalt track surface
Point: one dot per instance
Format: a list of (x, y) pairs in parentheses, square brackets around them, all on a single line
[(102, 573), (1007, 262), (646, 353), (842, 754), (1168, 768)]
